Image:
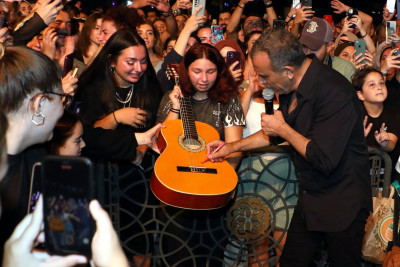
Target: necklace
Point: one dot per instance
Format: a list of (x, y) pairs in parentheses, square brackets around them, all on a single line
[(127, 99)]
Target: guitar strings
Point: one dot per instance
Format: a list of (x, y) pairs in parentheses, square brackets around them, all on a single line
[(190, 130), (188, 139), (189, 125)]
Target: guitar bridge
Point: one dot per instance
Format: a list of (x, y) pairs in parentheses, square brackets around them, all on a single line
[(196, 169)]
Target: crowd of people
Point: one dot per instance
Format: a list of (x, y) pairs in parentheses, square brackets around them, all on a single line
[(94, 83)]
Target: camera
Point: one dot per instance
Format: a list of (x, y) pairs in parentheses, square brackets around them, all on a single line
[(352, 12)]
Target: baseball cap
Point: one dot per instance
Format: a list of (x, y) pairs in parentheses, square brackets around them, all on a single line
[(316, 32)]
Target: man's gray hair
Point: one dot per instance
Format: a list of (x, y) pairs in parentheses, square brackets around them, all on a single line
[(282, 47)]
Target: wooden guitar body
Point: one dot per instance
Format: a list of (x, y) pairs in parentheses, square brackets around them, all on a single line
[(180, 178)]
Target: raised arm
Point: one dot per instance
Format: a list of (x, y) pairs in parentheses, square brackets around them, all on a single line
[(339, 8), (191, 25), (232, 27), (165, 7), (271, 14)]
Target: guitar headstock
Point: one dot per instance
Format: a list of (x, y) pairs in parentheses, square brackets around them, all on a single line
[(172, 72)]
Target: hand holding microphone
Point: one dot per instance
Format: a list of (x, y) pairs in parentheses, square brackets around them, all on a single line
[(268, 95)]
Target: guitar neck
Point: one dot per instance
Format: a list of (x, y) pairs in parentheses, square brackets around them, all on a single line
[(189, 126)]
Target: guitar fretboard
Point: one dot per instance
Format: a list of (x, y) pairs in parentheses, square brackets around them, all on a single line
[(189, 126)]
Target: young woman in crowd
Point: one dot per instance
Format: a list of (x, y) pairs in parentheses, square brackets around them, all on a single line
[(67, 136), (117, 18), (206, 80), (89, 41), (118, 92), (153, 43), (119, 96), (381, 122)]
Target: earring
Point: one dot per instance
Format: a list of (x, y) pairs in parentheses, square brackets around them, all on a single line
[(38, 118), (112, 69)]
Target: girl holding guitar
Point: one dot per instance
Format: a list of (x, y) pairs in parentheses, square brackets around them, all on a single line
[(209, 87), (205, 78)]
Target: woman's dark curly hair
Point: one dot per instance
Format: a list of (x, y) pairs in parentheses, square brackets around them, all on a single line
[(358, 78), (224, 86), (123, 17)]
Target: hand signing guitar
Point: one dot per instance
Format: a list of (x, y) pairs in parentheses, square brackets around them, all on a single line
[(221, 154)]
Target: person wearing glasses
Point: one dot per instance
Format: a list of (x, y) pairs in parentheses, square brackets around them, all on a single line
[(253, 19), (32, 100)]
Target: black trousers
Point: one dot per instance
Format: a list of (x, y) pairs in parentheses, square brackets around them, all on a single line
[(344, 248)]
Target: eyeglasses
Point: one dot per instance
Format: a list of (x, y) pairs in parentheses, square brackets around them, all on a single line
[(255, 23), (65, 98)]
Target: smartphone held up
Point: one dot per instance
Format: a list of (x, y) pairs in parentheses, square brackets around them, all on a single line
[(390, 29), (67, 187)]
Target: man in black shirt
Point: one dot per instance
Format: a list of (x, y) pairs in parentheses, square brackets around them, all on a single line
[(320, 117)]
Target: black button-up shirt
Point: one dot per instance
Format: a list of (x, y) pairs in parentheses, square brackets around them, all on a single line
[(335, 175)]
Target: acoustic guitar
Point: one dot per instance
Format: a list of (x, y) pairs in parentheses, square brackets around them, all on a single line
[(180, 177)]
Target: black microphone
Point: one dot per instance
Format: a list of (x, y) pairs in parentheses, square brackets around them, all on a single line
[(268, 95)]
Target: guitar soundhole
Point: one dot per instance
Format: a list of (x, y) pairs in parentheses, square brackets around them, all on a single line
[(192, 145)]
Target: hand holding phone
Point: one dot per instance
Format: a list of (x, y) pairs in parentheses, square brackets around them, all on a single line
[(196, 4), (359, 45), (19, 252), (232, 57)]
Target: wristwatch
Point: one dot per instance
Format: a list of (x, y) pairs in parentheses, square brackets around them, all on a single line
[(268, 4), (167, 14), (177, 11)]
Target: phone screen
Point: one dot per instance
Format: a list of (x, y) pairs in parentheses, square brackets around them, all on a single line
[(217, 33), (390, 29), (67, 190)]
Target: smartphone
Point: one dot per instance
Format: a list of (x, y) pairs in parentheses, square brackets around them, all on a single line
[(35, 186), (295, 4), (307, 3), (359, 45), (197, 3), (217, 33), (390, 29), (390, 5), (279, 24), (352, 12), (232, 57), (67, 188)]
